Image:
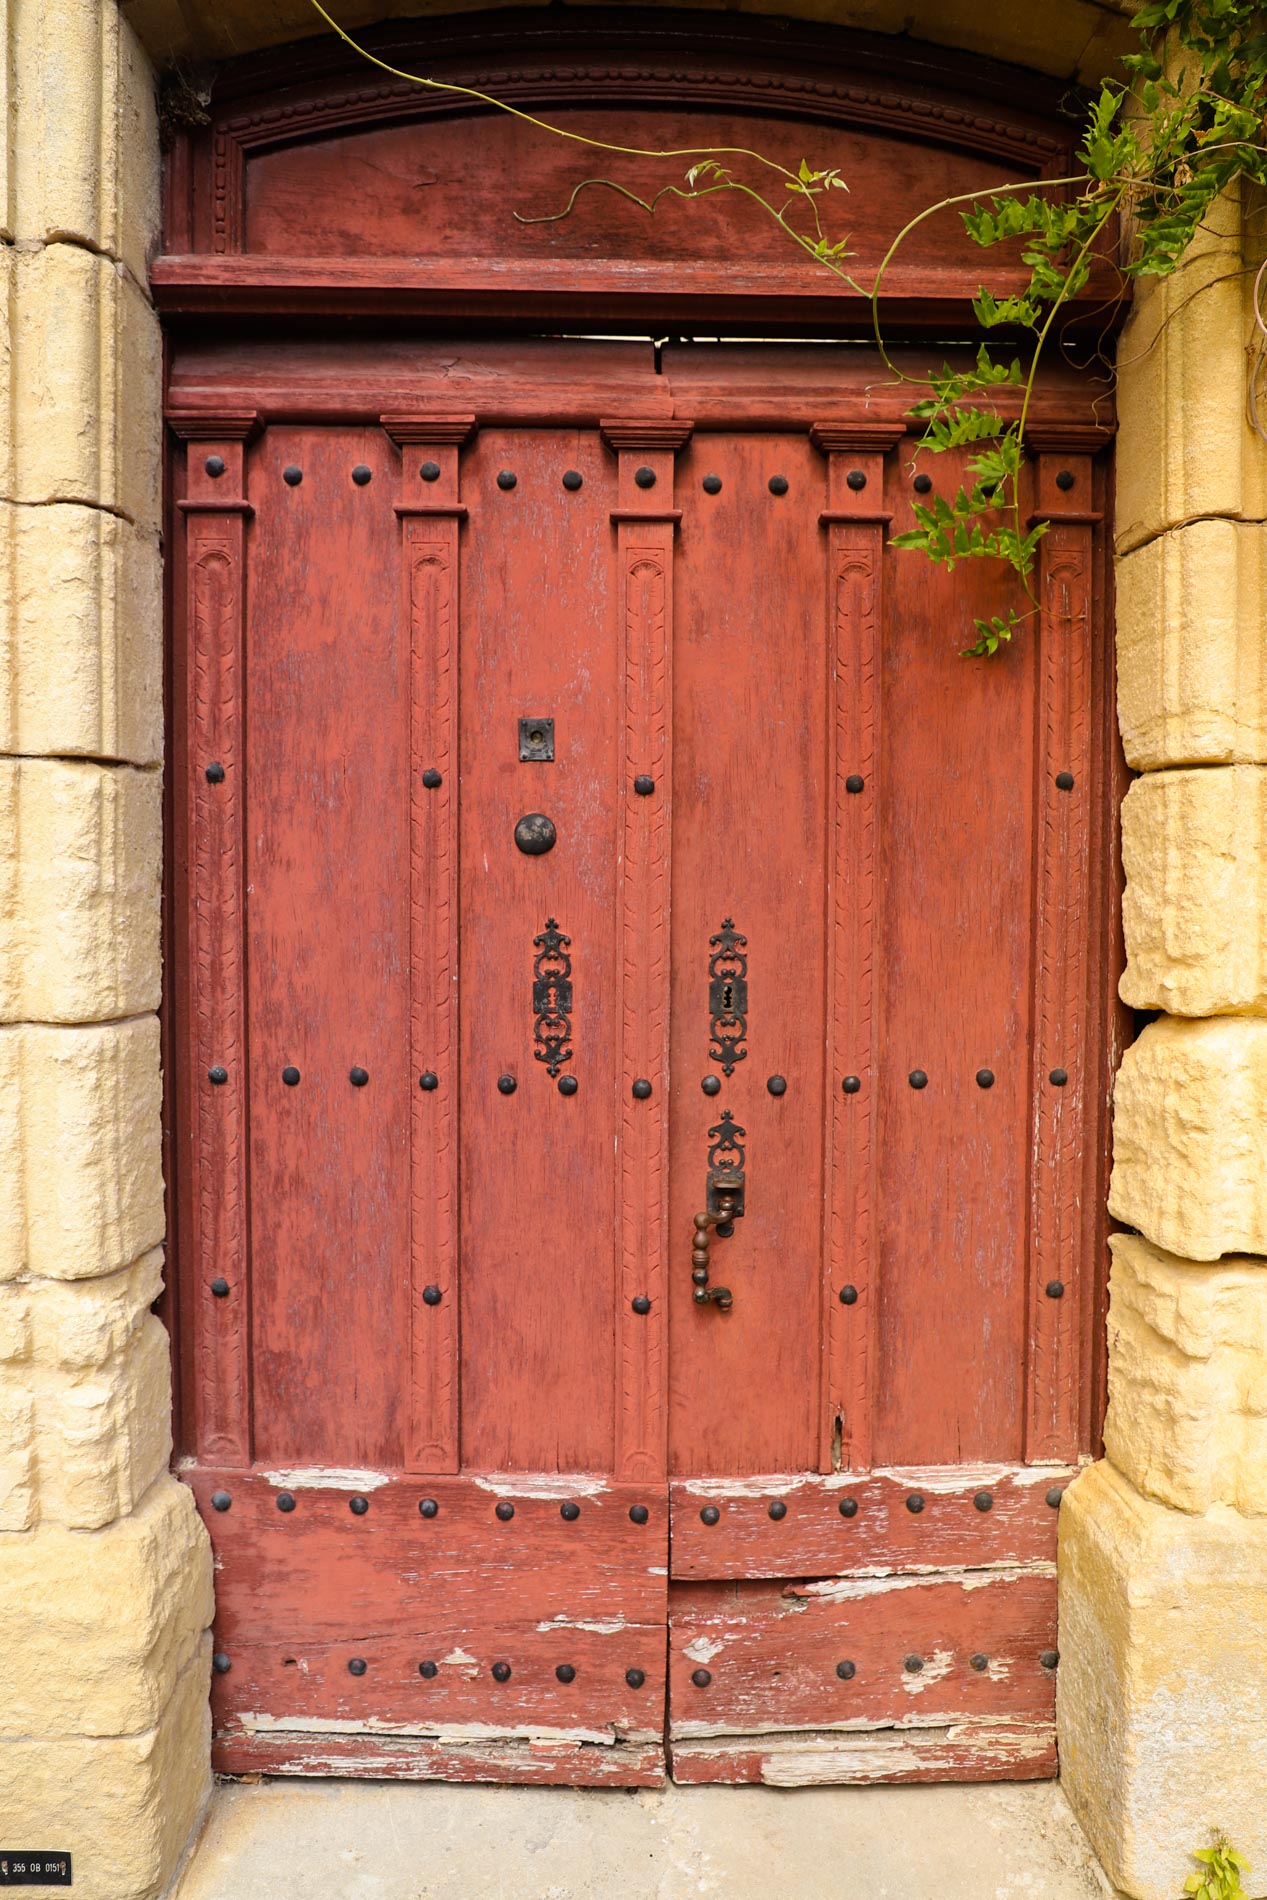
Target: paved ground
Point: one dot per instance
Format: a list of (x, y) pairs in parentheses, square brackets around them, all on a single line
[(426, 1841)]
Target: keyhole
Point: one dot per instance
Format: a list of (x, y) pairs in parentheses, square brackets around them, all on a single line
[(728, 995), (536, 736)]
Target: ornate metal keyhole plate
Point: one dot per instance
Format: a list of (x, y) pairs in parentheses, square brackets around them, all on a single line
[(728, 997), (552, 997)]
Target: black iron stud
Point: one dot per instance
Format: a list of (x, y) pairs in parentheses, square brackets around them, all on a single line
[(214, 466), (572, 479), (711, 1085), (777, 1084), (361, 474), (1058, 1078), (430, 471), (777, 1510), (644, 785), (506, 1085), (290, 1076), (569, 1512), (506, 479), (912, 1664), (915, 1503), (565, 1673), (851, 1084), (985, 1078), (917, 1079), (922, 484), (428, 1671), (568, 1085), (979, 1662), (848, 1296), (505, 1510), (855, 782), (1064, 479), (638, 1514), (645, 477), (848, 1507), (285, 1501), (846, 1671), (635, 1678), (856, 479), (428, 1080), (220, 1286), (292, 476), (431, 1296), (641, 1089), (1064, 781), (358, 1077), (221, 1664), (641, 1304), (984, 1501), (712, 484), (1049, 1658), (220, 1500), (535, 834), (427, 1507), (1054, 1496), (701, 1678), (215, 773), (358, 1506), (1055, 1289), (710, 1514), (432, 779), (218, 1075), (357, 1666), (778, 484), (501, 1672)]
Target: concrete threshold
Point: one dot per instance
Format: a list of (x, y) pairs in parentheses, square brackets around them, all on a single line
[(346, 1840)]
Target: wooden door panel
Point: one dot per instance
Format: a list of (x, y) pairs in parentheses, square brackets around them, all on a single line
[(327, 980)]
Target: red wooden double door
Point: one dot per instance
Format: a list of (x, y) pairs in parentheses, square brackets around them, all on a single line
[(638, 1069)]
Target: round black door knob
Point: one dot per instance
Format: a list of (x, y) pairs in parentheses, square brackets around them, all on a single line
[(428, 1671), (501, 1672), (220, 1500), (221, 1664), (712, 484), (506, 1085), (641, 1089), (357, 1666), (572, 479), (641, 1304), (985, 1078), (428, 1080), (856, 479), (777, 1085), (215, 773), (427, 1507), (535, 834), (915, 1503), (506, 479), (431, 1296), (848, 1507), (645, 477), (644, 785), (635, 1678), (292, 476), (214, 466), (565, 1672), (1064, 481), (432, 779), (778, 484), (358, 1077), (917, 1079), (220, 1286), (505, 1511), (285, 1501), (430, 471), (848, 1296), (711, 1085), (361, 474), (568, 1085), (922, 484), (851, 1084), (979, 1662), (984, 1501), (638, 1513), (701, 1678), (290, 1075), (358, 1506), (846, 1671), (569, 1512), (777, 1510), (710, 1514)]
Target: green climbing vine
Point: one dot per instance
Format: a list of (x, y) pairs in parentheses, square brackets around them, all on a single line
[(1182, 123)]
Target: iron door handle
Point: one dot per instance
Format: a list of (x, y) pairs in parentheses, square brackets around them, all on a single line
[(725, 1205)]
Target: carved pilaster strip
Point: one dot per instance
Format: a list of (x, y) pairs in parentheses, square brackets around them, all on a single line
[(431, 518), (1060, 1014), (645, 570), (215, 527), (855, 521)]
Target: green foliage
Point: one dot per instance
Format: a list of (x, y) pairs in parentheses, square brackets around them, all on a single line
[(1220, 1878)]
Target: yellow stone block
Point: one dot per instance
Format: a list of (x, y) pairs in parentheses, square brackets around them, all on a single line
[(1162, 1686), (95, 1626), (1187, 1352), (103, 1434), (81, 160), (1194, 912), (81, 634), (80, 864), (1185, 448), (18, 1509), (1190, 1136), (81, 1189), (1192, 646), (124, 1806), (77, 1323), (85, 374)]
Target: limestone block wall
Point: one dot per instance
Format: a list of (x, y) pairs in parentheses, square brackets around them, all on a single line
[(1163, 1677), (105, 1580)]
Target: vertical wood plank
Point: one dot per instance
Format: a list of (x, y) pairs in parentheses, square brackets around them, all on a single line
[(855, 520), (645, 523), (431, 517), (215, 511), (1062, 1013)]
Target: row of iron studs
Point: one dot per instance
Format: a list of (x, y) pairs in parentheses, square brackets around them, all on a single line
[(569, 1511), (501, 1671)]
